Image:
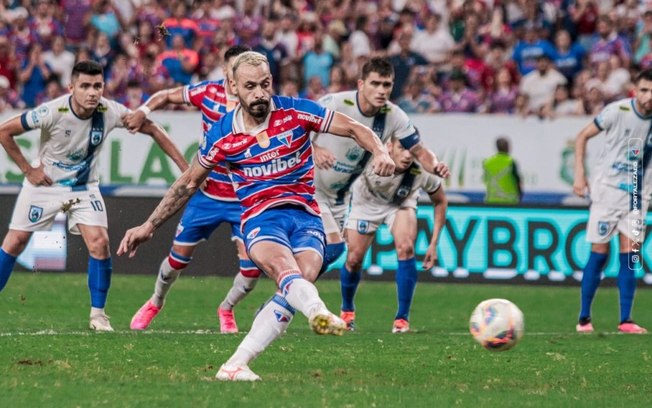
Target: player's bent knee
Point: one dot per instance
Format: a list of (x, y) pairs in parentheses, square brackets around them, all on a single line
[(405, 250), (15, 242)]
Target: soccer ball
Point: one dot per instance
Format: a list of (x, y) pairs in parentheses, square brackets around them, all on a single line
[(497, 324)]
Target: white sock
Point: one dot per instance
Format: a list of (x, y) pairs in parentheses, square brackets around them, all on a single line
[(270, 323), (97, 311), (242, 285), (167, 275), (300, 294)]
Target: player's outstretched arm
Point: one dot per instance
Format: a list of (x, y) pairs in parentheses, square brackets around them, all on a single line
[(428, 160), (580, 183), (8, 130), (161, 138), (134, 120), (343, 125), (175, 198), (440, 203)]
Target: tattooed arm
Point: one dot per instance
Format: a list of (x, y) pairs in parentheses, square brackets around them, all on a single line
[(176, 197)]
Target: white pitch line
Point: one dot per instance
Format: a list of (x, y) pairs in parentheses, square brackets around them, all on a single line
[(213, 332)]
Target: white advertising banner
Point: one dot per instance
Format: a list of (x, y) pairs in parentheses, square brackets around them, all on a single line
[(543, 150)]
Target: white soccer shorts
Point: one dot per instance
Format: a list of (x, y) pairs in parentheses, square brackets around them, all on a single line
[(36, 208)]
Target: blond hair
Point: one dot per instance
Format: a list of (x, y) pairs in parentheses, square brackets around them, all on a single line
[(249, 58)]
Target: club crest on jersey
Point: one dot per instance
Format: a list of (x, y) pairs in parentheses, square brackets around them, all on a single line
[(363, 226), (35, 213), (179, 230), (285, 138), (402, 191), (354, 154), (634, 154), (96, 137), (253, 233), (263, 139), (603, 228)]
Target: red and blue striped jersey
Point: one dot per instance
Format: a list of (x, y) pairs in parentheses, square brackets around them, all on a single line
[(211, 98), (272, 164)]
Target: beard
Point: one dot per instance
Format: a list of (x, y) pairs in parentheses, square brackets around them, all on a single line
[(258, 109)]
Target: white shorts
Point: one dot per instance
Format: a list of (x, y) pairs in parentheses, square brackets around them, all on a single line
[(36, 208), (611, 215), (332, 215), (367, 222)]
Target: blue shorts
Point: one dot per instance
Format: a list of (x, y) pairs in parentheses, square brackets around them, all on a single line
[(288, 225), (203, 215)]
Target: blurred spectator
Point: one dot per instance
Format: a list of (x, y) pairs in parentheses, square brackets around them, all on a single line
[(43, 25), (539, 85), (272, 49), (529, 49), (339, 82), (180, 25), (334, 37), (211, 68), (249, 23), (53, 90), (642, 45), (568, 56), (593, 101), (434, 43), (359, 38), (290, 88), (403, 62), (317, 62), (134, 96), (287, 35), (459, 98), (415, 100), (497, 59), (314, 89), (471, 41), (21, 35), (562, 104), (76, 15), (179, 62), (103, 53), (207, 23), (502, 99), (584, 17), (60, 60), (8, 61), (607, 43), (118, 78), (106, 19), (34, 75), (9, 98)]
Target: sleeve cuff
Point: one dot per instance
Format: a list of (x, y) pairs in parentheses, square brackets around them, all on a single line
[(597, 124), (23, 121)]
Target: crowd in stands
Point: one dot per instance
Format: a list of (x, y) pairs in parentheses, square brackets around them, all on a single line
[(529, 57)]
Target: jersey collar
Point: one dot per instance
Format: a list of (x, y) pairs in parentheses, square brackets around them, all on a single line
[(238, 123), (633, 102)]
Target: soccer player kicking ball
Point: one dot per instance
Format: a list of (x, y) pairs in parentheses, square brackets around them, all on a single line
[(65, 177), (393, 201), (214, 203), (266, 143), (620, 195)]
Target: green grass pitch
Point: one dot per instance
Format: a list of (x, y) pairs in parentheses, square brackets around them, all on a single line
[(48, 357)]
